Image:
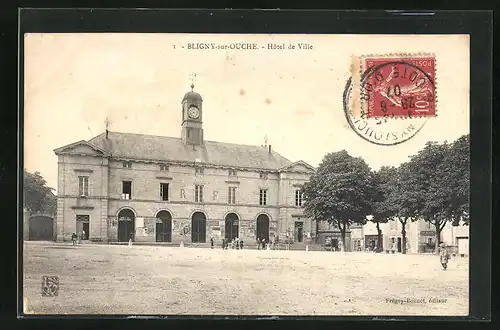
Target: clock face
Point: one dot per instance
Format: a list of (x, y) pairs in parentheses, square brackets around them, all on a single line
[(194, 112)]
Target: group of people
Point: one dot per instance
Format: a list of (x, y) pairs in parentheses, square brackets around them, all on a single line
[(272, 245), (261, 243), (235, 243)]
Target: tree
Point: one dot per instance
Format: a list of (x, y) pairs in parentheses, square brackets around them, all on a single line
[(339, 191), (402, 197), (382, 208), (37, 196), (50, 206), (443, 180), (458, 178)]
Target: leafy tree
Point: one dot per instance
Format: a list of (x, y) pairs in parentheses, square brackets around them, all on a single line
[(458, 178), (402, 197), (443, 183), (382, 208), (37, 196), (433, 192), (50, 205), (339, 192)]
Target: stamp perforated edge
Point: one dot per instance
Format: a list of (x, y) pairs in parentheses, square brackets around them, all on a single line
[(357, 70)]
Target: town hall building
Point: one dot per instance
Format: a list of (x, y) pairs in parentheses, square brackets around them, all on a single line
[(118, 186), (121, 186)]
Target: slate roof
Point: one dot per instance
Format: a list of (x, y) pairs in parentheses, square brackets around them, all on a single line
[(162, 148)]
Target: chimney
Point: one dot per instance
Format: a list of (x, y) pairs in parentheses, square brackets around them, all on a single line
[(269, 149)]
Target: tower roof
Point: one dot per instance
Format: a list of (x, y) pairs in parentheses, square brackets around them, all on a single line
[(192, 96)]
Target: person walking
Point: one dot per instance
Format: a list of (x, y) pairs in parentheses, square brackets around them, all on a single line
[(263, 243), (74, 237), (444, 255), (258, 243), (241, 244), (211, 242)]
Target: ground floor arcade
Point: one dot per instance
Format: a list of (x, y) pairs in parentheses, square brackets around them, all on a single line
[(148, 222)]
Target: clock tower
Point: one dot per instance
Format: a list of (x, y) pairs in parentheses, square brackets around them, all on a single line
[(192, 130)]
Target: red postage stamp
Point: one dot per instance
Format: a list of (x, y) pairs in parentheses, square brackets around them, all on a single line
[(393, 86)]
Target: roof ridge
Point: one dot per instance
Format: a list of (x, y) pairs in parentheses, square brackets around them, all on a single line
[(246, 151), (141, 134), (91, 140), (178, 138)]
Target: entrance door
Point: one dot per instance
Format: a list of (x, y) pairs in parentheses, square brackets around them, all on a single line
[(335, 244), (163, 226), (198, 227), (126, 225), (82, 226), (231, 226), (299, 230), (399, 244), (263, 227), (86, 230)]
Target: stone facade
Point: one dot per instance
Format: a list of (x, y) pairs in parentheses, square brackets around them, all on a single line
[(91, 189), (104, 200)]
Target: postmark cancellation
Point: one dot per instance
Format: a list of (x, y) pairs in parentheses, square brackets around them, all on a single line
[(384, 89)]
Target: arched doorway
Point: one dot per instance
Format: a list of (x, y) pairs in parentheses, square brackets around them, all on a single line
[(126, 225), (231, 226), (263, 227), (163, 226), (198, 227)]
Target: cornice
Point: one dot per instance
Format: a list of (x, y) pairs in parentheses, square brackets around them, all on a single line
[(82, 170)]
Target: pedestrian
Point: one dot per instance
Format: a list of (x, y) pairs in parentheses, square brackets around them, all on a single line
[(211, 242), (237, 243), (263, 243), (444, 256), (241, 244), (258, 243), (73, 238), (83, 235), (131, 238)]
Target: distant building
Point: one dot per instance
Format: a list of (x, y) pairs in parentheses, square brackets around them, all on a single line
[(420, 235), (118, 186)]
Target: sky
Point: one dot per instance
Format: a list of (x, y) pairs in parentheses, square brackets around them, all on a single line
[(73, 82)]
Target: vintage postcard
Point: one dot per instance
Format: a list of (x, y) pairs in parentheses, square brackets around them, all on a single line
[(241, 174)]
